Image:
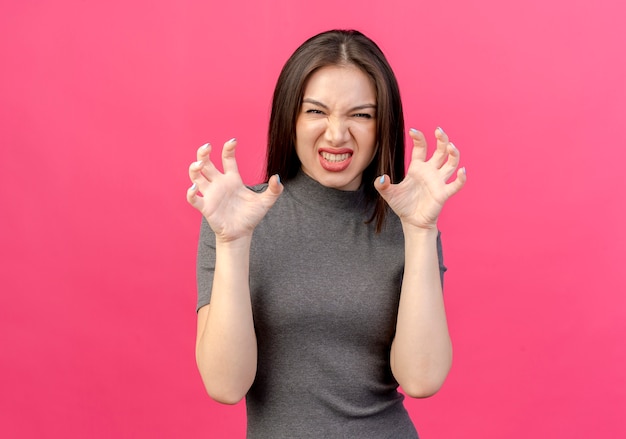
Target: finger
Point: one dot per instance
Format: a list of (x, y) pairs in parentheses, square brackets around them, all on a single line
[(419, 145), (228, 156), (203, 152), (458, 183), (454, 157), (202, 170), (195, 170), (203, 166), (193, 198), (440, 154)]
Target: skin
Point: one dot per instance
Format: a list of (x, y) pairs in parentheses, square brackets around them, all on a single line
[(337, 119), (331, 119), (421, 352)]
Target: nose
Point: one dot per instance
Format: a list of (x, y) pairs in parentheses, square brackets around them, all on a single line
[(337, 131)]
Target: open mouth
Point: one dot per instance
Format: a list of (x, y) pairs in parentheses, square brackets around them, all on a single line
[(335, 162), (334, 158)]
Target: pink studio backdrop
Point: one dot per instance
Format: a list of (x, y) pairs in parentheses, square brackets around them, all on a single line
[(103, 104)]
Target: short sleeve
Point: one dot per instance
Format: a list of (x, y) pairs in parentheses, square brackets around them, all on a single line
[(442, 267), (205, 264)]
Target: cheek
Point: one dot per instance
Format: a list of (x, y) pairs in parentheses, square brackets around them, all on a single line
[(304, 142), (372, 144), (366, 136), (308, 133)]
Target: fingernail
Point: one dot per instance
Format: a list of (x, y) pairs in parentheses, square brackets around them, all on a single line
[(413, 130), (453, 147), (382, 179), (440, 130), (232, 140), (205, 146), (278, 178), (200, 163), (193, 187), (464, 170)]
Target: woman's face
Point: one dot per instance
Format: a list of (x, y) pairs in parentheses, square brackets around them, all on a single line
[(336, 126)]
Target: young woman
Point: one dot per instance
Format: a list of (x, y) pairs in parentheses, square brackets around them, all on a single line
[(321, 291)]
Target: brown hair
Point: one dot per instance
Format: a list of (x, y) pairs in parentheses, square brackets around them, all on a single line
[(339, 47)]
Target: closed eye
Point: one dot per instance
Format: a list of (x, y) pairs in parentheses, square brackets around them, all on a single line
[(314, 111), (363, 115)]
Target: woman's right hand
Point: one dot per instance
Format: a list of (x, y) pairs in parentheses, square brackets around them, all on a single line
[(232, 210)]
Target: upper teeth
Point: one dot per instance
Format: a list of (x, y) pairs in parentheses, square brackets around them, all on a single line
[(334, 157)]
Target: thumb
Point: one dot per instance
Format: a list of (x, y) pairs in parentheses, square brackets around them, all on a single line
[(274, 189), (382, 185)]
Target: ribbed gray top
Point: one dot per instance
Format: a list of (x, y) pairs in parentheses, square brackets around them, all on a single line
[(325, 290)]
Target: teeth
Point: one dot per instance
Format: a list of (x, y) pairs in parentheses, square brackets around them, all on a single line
[(334, 157)]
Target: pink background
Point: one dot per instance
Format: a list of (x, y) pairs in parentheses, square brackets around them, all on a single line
[(103, 104)]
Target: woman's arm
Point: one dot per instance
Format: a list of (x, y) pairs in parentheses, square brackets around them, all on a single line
[(421, 352), (226, 349)]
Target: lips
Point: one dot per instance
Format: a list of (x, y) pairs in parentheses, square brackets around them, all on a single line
[(335, 160)]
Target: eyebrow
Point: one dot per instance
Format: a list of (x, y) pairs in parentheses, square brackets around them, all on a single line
[(319, 104)]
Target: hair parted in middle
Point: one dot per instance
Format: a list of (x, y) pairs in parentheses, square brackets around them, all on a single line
[(337, 48)]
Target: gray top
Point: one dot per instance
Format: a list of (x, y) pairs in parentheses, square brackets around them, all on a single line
[(325, 290)]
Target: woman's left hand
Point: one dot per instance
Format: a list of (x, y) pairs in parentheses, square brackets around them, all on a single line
[(419, 198)]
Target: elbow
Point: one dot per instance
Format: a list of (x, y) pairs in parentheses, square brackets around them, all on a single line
[(423, 382), (421, 388), (422, 376), (225, 390), (225, 396), (222, 385), (222, 392)]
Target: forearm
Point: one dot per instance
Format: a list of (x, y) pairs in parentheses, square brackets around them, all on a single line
[(421, 353), (226, 349)]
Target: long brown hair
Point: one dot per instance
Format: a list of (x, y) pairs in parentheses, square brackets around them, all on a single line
[(339, 47)]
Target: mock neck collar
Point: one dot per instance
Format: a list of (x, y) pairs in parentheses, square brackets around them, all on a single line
[(308, 191)]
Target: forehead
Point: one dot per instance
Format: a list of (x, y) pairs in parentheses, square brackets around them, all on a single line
[(343, 82)]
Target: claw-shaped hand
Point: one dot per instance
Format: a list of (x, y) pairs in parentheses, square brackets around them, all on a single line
[(232, 210), (419, 198)]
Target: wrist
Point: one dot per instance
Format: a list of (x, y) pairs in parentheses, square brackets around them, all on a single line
[(411, 230), (419, 230), (233, 244)]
